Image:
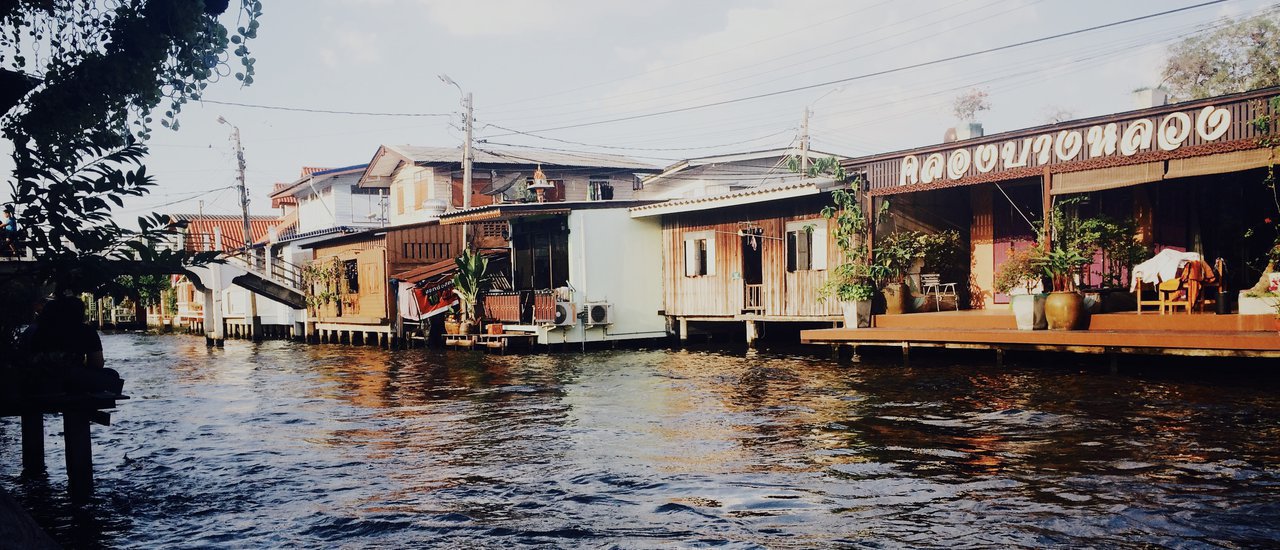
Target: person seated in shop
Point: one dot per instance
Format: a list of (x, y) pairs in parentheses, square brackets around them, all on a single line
[(61, 340)]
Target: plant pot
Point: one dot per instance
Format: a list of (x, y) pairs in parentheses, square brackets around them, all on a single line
[(494, 328), (1028, 311), (452, 326), (897, 298), (468, 327), (1064, 311), (856, 314)]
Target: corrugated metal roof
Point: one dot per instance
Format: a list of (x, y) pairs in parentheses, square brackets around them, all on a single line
[(231, 227), (526, 157), (754, 195), (278, 199), (315, 176)]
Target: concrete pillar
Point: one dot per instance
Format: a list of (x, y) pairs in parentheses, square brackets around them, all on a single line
[(752, 333), (216, 322), (684, 329), (906, 354), (999, 358)]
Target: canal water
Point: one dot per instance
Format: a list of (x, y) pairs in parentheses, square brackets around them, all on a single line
[(286, 445)]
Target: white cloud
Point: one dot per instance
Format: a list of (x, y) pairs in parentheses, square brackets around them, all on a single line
[(509, 17)]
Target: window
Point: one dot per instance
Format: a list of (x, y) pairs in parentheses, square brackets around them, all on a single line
[(600, 188), (351, 273), (699, 254), (806, 245)]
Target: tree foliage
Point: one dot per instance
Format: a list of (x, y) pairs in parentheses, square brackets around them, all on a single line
[(967, 105), (102, 69), (1239, 56)]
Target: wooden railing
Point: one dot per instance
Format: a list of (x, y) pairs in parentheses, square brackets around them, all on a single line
[(503, 307), (510, 306), (544, 306), (753, 298)]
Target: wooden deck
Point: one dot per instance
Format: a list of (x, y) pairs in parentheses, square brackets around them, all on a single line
[(1204, 335)]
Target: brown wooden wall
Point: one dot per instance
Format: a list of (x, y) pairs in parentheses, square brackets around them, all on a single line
[(421, 245), (786, 294), (371, 304)]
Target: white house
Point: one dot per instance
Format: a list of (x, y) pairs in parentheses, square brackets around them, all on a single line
[(579, 271)]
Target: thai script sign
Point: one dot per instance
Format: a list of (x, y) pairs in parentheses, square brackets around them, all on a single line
[(1165, 132)]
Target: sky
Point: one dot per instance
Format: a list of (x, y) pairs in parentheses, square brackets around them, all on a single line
[(562, 73)]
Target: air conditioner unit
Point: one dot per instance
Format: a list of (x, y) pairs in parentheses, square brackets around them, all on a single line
[(566, 314), (599, 313)]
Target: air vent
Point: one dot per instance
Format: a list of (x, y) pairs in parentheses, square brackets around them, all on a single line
[(566, 314), (599, 313)]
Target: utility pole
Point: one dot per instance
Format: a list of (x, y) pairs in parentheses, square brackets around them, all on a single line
[(804, 142), (466, 156), (468, 120), (248, 236)]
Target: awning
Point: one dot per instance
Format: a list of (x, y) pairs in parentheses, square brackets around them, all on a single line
[(1086, 181)]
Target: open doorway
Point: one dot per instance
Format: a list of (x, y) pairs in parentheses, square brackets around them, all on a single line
[(752, 271)]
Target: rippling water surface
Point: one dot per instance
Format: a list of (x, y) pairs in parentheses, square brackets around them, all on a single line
[(281, 444)]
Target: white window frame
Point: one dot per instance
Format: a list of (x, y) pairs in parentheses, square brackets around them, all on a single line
[(817, 239), (693, 264)]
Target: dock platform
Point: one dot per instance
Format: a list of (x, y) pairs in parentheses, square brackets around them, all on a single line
[(1201, 335)]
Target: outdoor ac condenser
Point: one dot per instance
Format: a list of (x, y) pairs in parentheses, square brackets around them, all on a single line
[(599, 313), (566, 314)]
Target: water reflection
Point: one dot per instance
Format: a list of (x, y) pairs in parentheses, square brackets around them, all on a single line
[(278, 444)]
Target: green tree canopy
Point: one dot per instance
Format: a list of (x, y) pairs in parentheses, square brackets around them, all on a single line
[(1239, 56), (89, 76)]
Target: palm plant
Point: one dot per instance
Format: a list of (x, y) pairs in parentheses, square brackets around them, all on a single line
[(468, 282)]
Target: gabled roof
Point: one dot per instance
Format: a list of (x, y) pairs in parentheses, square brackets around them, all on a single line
[(230, 226), (278, 199), (736, 158), (311, 176), (763, 193), (390, 157)]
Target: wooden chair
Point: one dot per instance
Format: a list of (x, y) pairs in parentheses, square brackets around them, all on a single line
[(1149, 289), (931, 283)]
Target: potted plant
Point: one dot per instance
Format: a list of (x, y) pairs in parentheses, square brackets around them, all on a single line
[(894, 255), (851, 280), (1022, 270), (451, 323), (1064, 307), (467, 283)]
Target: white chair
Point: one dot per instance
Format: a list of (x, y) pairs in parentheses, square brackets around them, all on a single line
[(931, 283)]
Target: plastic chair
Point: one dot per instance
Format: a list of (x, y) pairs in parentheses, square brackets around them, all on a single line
[(931, 283)]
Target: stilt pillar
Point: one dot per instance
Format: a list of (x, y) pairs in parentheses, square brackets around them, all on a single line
[(999, 358), (752, 333), (32, 443), (79, 451), (684, 329)]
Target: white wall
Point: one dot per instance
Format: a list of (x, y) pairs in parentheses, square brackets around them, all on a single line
[(616, 259)]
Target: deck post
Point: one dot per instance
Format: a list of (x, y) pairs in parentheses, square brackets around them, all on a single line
[(906, 354), (79, 451), (855, 358), (32, 443), (999, 358), (684, 329), (1114, 359), (752, 333)]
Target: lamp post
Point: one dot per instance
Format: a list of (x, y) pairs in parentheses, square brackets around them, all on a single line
[(804, 132)]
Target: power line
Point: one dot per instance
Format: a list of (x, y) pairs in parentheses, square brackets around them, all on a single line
[(523, 133), (321, 111), (881, 72)]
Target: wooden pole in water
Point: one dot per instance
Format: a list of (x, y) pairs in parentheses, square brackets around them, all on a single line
[(79, 451), (32, 443)]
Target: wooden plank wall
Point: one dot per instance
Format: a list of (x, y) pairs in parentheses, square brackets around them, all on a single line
[(425, 244), (790, 294)]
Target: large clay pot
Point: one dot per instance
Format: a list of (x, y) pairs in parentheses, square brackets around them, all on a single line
[(1028, 311), (452, 326), (897, 298), (1064, 311), (856, 314)]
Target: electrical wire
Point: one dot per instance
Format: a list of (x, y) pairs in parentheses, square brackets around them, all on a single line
[(882, 72), (322, 111)]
